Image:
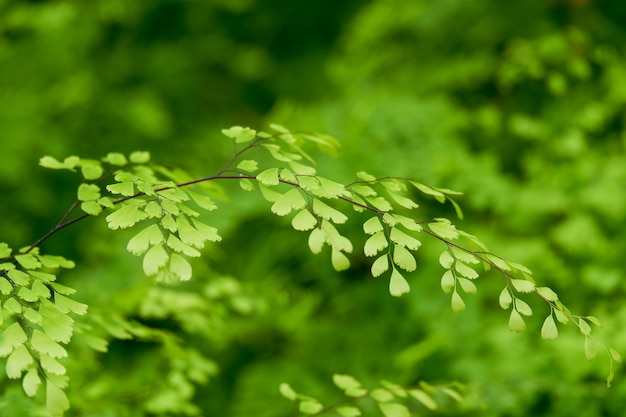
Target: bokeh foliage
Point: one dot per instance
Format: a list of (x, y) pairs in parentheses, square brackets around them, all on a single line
[(520, 105)]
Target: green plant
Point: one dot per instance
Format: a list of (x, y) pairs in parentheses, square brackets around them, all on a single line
[(39, 316)]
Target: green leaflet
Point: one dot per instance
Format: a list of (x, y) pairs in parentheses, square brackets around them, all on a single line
[(42, 343), (126, 216), (523, 307), (268, 177), (31, 382), (18, 362), (372, 225), (445, 259), (397, 284), (339, 261), (177, 245), (124, 188), (51, 365), (304, 220), (5, 250), (549, 329), (139, 157), (394, 410), (287, 392), (208, 232), (154, 259), (348, 411), (11, 336), (147, 237), (444, 229), (467, 286), (403, 201), (88, 192), (65, 305), (180, 267), (400, 238), (516, 322), (327, 212), (421, 396), (465, 270), (447, 281), (523, 285), (68, 163), (349, 385), (310, 406), (5, 286), (115, 158), (19, 277), (376, 243), (505, 299), (56, 400), (291, 200), (91, 170), (248, 165), (28, 261), (189, 234), (403, 258), (380, 265), (240, 134), (456, 302), (381, 395), (203, 201)]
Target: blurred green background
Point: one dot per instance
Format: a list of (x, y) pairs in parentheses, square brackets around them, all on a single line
[(520, 105)]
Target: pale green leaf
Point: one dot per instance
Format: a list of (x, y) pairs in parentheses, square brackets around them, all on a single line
[(505, 299), (5, 250), (390, 219), (365, 176), (91, 170), (188, 234), (591, 349), (403, 201), (56, 400), (32, 316), (408, 223), (380, 203), (468, 286), (287, 392), (329, 188), (444, 229), (426, 189), (424, 398), (327, 212), (31, 382), (177, 245), (498, 262), (522, 285), (457, 208), (549, 329), (561, 316), (397, 284), (394, 410), (246, 184), (463, 255), (28, 261), (126, 216), (445, 259), (584, 327), (139, 157), (62, 289), (209, 233), (363, 190), (465, 270), (348, 411), (19, 277), (44, 344), (55, 324), (5, 286), (287, 175), (92, 208), (456, 302), (547, 293), (124, 188), (51, 163), (240, 134), (339, 261), (594, 320), (13, 306), (523, 307), (381, 395), (154, 259), (40, 289), (18, 361), (248, 165), (180, 267), (203, 201), (516, 322), (375, 243), (304, 220), (447, 281), (66, 305), (380, 265), (268, 177), (115, 158), (404, 259), (317, 238), (310, 406), (88, 192), (400, 238), (291, 200), (372, 225), (12, 336), (51, 365), (348, 383), (615, 355), (140, 243)]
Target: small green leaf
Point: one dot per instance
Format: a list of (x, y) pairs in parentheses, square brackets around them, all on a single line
[(591, 349), (140, 243), (291, 200), (13, 306), (549, 329), (547, 293), (208, 232), (421, 396), (615, 355), (126, 216), (88, 192), (248, 165), (327, 212), (115, 158), (468, 286), (188, 234), (594, 320), (268, 177), (5, 286), (31, 382), (523, 308), (310, 407), (394, 410), (465, 270), (304, 220), (91, 170), (447, 281), (464, 256), (139, 157), (317, 238), (339, 261), (397, 284), (375, 243), (498, 262), (19, 277), (444, 229), (27, 261), (404, 259), (347, 411), (180, 267), (372, 225), (400, 238), (51, 163), (11, 336), (381, 395), (91, 207), (56, 400), (426, 189), (18, 361), (56, 324), (240, 134), (403, 201), (456, 302), (154, 259), (584, 327), (246, 184), (51, 365), (380, 265), (505, 299), (522, 285), (5, 250), (66, 305), (516, 322), (44, 344), (446, 260), (124, 188), (287, 392), (203, 201), (561, 316)]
